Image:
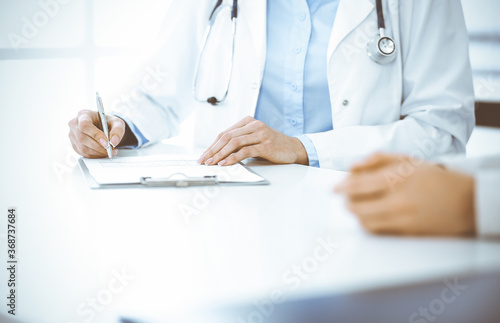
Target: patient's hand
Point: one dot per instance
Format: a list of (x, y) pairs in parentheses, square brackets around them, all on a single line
[(395, 194)]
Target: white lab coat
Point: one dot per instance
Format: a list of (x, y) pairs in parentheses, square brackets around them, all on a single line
[(421, 104), (486, 173)]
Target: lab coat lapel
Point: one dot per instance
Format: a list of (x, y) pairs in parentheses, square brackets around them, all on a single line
[(254, 13), (349, 15)]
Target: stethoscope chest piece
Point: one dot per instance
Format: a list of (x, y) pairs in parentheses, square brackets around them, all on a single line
[(382, 50)]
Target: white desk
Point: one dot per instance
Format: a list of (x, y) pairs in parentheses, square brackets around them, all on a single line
[(237, 247)]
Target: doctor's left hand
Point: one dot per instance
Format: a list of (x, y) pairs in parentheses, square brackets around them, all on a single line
[(252, 138)]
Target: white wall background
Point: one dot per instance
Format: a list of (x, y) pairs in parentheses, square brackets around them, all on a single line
[(68, 50), (483, 22)]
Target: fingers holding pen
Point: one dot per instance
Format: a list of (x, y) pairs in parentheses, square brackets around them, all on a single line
[(83, 149), (86, 124), (117, 130), (86, 139)]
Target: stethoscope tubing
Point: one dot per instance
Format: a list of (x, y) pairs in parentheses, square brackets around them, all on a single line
[(234, 16)]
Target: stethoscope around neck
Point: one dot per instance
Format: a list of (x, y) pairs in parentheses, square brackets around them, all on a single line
[(381, 49), (213, 16)]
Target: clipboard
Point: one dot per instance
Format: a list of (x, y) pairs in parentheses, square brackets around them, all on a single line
[(178, 180)]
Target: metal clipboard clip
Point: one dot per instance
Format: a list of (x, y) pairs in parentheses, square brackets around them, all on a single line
[(179, 180)]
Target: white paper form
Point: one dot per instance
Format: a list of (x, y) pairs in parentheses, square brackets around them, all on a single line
[(126, 170)]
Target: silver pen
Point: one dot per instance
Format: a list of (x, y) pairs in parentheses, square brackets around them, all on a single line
[(104, 123)]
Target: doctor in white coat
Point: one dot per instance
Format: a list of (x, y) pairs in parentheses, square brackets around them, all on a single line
[(301, 87)]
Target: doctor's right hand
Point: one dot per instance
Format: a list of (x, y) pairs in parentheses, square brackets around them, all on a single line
[(87, 137)]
